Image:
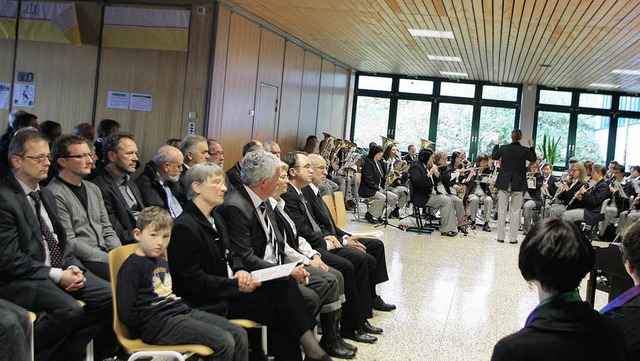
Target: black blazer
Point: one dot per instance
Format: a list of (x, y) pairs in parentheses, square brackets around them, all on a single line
[(409, 159), (22, 252), (198, 257), (247, 236), (627, 317), (592, 202), (513, 169), (551, 185), (321, 214), (421, 184), (295, 209), (120, 214), (371, 180), (562, 332), (233, 175), (536, 193), (152, 191)]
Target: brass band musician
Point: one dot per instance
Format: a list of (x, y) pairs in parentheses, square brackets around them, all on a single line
[(479, 191), (372, 186), (396, 178), (533, 196), (445, 182), (565, 194), (587, 202), (632, 188)]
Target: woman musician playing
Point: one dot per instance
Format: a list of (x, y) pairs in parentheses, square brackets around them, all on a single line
[(478, 190), (446, 183), (577, 179), (395, 178), (533, 196)]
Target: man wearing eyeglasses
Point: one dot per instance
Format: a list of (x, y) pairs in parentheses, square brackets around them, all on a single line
[(195, 150), (37, 269), (216, 155), (80, 205)]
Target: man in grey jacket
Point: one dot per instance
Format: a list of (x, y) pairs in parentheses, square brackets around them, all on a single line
[(81, 210)]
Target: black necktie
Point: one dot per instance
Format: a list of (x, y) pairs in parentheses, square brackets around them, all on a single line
[(271, 234), (54, 248), (314, 224)]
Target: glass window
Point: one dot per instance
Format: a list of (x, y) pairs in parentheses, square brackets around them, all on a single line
[(412, 123), (454, 127), (554, 125), (555, 97), (630, 104), (592, 138), (599, 101), (494, 123), (416, 86), (372, 119), (627, 145), (458, 90), (500, 93), (374, 83)]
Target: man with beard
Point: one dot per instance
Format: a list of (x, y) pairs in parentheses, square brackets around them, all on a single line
[(158, 182)]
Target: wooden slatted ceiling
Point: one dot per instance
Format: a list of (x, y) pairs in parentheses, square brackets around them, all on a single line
[(501, 41)]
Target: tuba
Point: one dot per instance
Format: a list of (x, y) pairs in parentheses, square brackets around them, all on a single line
[(328, 147), (424, 143), (387, 142)]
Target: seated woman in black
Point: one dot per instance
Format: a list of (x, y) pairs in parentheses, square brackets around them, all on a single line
[(208, 277), (625, 309), (555, 256)]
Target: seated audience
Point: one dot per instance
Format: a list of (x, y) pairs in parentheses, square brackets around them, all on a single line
[(15, 332), (208, 276), (106, 128), (122, 197), (86, 131), (37, 270), (555, 256), (273, 148), (18, 119), (195, 150), (625, 309), (147, 304), (80, 205), (52, 130), (216, 155), (159, 182), (233, 173), (174, 142)]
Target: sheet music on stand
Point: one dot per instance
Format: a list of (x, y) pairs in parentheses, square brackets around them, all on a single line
[(487, 179), (272, 273)]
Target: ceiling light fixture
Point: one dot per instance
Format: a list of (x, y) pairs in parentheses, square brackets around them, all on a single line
[(626, 71), (431, 33), (453, 73), (604, 85), (444, 58)]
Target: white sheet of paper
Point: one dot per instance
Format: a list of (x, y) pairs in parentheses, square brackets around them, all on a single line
[(118, 100), (141, 102), (4, 95), (24, 95), (272, 273)]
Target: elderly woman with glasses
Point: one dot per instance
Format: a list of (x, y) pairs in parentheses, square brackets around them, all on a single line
[(554, 257)]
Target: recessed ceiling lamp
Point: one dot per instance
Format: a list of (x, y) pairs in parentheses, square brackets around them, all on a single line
[(444, 58), (626, 71), (453, 73), (604, 85), (431, 33)]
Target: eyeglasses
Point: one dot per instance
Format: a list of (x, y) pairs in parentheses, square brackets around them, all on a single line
[(216, 154), (81, 156), (39, 158)]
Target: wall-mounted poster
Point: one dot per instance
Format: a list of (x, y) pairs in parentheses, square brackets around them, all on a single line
[(24, 95)]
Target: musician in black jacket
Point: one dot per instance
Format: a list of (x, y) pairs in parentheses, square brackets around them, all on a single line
[(588, 201), (372, 186), (565, 194), (397, 185), (620, 193), (511, 182), (533, 196), (479, 191)]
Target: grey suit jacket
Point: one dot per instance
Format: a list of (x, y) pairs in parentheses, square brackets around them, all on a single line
[(90, 235)]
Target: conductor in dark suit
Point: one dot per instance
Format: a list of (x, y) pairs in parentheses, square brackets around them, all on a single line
[(36, 270), (122, 197), (512, 181)]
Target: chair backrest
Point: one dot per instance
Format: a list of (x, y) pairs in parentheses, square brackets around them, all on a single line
[(341, 211), (328, 200), (116, 258)]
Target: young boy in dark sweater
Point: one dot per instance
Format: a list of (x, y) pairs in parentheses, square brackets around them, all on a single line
[(147, 305)]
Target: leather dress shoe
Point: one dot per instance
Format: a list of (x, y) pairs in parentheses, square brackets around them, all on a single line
[(359, 336), (395, 213), (335, 348), (323, 358), (513, 242), (449, 234), (501, 241), (369, 217), (378, 304), (347, 345), (369, 328), (486, 227)]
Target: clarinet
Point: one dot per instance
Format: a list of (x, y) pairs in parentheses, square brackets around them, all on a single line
[(575, 195)]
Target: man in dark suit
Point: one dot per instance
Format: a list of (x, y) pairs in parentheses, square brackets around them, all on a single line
[(195, 150), (233, 173), (512, 181), (122, 197), (350, 262), (37, 271), (588, 201), (159, 182), (411, 156)]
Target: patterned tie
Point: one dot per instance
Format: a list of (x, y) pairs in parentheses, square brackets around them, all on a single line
[(271, 234), (54, 248)]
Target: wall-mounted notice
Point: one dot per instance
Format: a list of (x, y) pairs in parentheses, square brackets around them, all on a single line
[(118, 100), (141, 102), (24, 95), (4, 95)]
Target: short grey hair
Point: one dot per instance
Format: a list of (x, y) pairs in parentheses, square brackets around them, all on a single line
[(200, 173), (267, 145), (258, 165), (190, 141)]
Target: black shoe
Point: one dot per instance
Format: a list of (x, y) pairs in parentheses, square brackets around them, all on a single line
[(358, 336), (472, 225), (378, 304), (323, 358), (486, 227), (369, 218), (513, 242), (347, 345), (449, 234), (501, 241), (369, 328), (395, 213), (335, 349), (463, 230)]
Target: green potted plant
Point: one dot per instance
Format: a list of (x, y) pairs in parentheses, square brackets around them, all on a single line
[(549, 149)]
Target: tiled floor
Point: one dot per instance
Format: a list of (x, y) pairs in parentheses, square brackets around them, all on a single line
[(456, 297)]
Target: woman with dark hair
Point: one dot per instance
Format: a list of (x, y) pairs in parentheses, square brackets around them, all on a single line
[(625, 309), (555, 256), (372, 186)]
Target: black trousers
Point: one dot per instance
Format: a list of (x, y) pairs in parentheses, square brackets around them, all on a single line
[(15, 332)]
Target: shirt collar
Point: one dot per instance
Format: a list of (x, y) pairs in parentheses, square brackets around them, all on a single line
[(255, 199), (26, 188), (119, 180), (314, 188)]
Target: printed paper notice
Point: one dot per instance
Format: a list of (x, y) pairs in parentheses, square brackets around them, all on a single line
[(24, 95), (118, 100), (272, 273), (141, 102), (4, 95)]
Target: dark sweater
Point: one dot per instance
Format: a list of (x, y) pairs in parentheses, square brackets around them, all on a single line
[(627, 317), (144, 295)]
